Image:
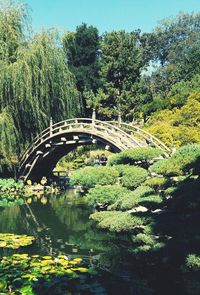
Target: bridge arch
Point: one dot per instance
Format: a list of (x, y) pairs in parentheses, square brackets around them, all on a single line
[(61, 138)]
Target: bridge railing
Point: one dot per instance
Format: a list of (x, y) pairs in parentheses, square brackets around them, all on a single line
[(127, 134), (85, 123), (140, 133)]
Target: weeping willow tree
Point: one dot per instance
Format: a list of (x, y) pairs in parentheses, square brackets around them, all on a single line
[(35, 82)]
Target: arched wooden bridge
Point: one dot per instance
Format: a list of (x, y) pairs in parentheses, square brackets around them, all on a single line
[(61, 138)]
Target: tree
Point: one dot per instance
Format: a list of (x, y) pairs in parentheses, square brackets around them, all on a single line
[(121, 65), (172, 51), (82, 50), (35, 82), (169, 41)]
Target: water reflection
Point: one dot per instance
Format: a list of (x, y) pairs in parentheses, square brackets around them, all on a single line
[(61, 225)]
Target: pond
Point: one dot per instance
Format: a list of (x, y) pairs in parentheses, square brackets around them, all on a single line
[(61, 226)]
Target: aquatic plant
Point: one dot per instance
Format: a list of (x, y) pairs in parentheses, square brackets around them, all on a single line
[(13, 241), (21, 273), (9, 185)]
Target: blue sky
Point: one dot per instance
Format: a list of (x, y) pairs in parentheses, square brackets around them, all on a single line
[(106, 15)]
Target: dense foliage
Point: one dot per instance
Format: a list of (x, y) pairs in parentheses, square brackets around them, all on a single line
[(105, 194), (35, 83), (24, 274), (184, 161), (132, 177), (145, 76), (163, 217), (142, 195), (90, 176), (133, 156), (117, 221)]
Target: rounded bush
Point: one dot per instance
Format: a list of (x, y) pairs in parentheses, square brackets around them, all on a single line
[(117, 221), (132, 156), (142, 195), (133, 177), (105, 194), (156, 182), (185, 159), (88, 177)]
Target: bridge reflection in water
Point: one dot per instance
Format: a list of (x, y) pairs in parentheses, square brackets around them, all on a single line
[(60, 138)]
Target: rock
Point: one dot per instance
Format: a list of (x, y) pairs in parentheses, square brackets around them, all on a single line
[(138, 209)]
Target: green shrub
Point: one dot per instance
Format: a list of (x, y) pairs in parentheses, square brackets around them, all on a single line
[(143, 238), (121, 169), (166, 167), (156, 182), (105, 194), (9, 185), (193, 262), (142, 195), (169, 191), (117, 221), (185, 159), (88, 177), (132, 177), (132, 156)]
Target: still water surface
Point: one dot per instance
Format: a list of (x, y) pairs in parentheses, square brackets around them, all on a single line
[(61, 225)]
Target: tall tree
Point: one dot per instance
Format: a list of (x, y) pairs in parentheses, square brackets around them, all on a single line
[(82, 50), (121, 64), (35, 82), (174, 50)]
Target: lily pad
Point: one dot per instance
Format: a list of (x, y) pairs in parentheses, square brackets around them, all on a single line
[(30, 269), (15, 241)]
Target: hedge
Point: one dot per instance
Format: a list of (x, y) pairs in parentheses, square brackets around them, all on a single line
[(133, 177), (88, 177), (105, 194), (117, 221), (132, 156)]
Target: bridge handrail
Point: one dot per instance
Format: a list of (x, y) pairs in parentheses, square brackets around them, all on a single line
[(145, 134), (47, 132)]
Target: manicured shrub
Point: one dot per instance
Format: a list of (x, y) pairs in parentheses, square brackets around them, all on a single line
[(142, 195), (88, 177), (143, 238), (193, 262), (105, 194), (117, 221), (184, 161), (169, 191), (133, 177), (156, 182), (121, 169), (133, 156), (166, 167)]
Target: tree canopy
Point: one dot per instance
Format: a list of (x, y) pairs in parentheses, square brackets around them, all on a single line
[(35, 81)]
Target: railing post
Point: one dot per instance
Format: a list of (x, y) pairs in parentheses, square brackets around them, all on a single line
[(93, 116), (51, 126), (119, 119)]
